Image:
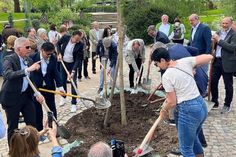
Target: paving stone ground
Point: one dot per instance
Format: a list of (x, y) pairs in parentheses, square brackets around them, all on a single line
[(220, 130)]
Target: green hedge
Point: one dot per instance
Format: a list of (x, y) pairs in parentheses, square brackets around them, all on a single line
[(138, 15), (109, 8)]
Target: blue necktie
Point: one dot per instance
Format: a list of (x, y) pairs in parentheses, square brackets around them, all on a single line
[(25, 82)]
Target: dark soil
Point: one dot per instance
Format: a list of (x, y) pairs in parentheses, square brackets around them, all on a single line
[(88, 126)]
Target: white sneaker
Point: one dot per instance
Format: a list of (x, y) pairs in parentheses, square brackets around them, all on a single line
[(73, 108), (62, 101)]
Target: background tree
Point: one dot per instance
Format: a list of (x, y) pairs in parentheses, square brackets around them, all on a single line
[(229, 7), (16, 6)]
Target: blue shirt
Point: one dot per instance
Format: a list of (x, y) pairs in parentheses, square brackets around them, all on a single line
[(2, 127), (178, 51), (56, 151), (23, 65)]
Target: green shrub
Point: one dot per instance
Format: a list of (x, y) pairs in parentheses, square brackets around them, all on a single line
[(100, 8), (60, 16), (139, 15), (35, 16)]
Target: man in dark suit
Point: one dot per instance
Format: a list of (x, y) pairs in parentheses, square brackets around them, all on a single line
[(224, 63), (70, 50), (46, 77), (107, 50), (200, 37), (16, 95), (157, 35)]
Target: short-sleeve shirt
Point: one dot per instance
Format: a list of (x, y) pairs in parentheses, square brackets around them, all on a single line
[(181, 81)]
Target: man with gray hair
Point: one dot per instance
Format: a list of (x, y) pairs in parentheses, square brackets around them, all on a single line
[(107, 51), (16, 95), (135, 57), (164, 26), (100, 149), (95, 35)]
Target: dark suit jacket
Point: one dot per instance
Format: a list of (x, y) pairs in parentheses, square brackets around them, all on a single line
[(52, 76), (202, 39), (77, 51), (228, 52), (13, 80), (112, 52), (162, 37)]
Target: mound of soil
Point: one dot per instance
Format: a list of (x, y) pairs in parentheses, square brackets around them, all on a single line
[(88, 126)]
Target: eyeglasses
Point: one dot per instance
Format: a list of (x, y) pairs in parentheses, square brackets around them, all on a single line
[(28, 47), (22, 132), (48, 53)]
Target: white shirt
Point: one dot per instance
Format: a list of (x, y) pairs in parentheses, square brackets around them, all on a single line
[(97, 33), (44, 64), (183, 84), (68, 54), (194, 30), (165, 28), (222, 35)]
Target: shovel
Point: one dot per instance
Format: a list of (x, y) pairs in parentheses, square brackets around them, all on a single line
[(144, 148), (62, 131), (99, 103), (146, 81), (135, 91)]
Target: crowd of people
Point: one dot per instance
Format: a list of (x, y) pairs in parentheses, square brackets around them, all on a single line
[(50, 59)]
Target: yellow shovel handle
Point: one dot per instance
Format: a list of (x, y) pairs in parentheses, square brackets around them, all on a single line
[(57, 92)]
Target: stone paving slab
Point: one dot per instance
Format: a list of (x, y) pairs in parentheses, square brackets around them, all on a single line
[(220, 130)]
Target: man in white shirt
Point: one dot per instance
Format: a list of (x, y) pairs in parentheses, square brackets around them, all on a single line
[(95, 35), (164, 26)]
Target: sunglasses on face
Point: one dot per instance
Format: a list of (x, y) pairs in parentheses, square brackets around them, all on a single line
[(28, 47), (48, 53)]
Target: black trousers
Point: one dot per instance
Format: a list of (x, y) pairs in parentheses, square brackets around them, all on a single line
[(50, 101), (25, 105), (69, 67), (131, 72), (85, 68), (93, 62), (217, 72)]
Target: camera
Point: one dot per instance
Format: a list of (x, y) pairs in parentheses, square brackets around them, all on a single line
[(50, 119), (118, 148)]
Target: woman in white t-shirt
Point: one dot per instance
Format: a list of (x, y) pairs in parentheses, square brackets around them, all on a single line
[(182, 93)]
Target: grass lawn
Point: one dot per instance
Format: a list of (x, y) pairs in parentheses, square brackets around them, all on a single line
[(19, 25)]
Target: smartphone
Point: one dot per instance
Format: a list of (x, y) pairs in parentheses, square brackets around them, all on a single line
[(50, 119)]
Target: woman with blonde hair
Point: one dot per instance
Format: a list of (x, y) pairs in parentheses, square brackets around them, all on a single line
[(24, 142), (10, 46)]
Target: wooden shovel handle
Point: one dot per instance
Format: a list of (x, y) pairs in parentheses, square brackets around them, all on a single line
[(57, 92), (158, 87), (150, 132)]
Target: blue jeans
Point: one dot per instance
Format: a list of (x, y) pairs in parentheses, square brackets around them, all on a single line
[(69, 67), (189, 117), (1, 61)]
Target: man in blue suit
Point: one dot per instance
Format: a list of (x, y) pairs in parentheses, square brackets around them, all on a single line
[(200, 37), (46, 77)]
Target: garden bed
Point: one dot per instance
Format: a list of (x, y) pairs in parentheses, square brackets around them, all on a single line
[(88, 126)]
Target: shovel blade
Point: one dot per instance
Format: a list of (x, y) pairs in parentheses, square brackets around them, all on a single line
[(146, 150), (147, 81), (63, 132)]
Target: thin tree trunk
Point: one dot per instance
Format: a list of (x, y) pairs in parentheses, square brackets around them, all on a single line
[(120, 51), (107, 115), (62, 3), (16, 6)]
